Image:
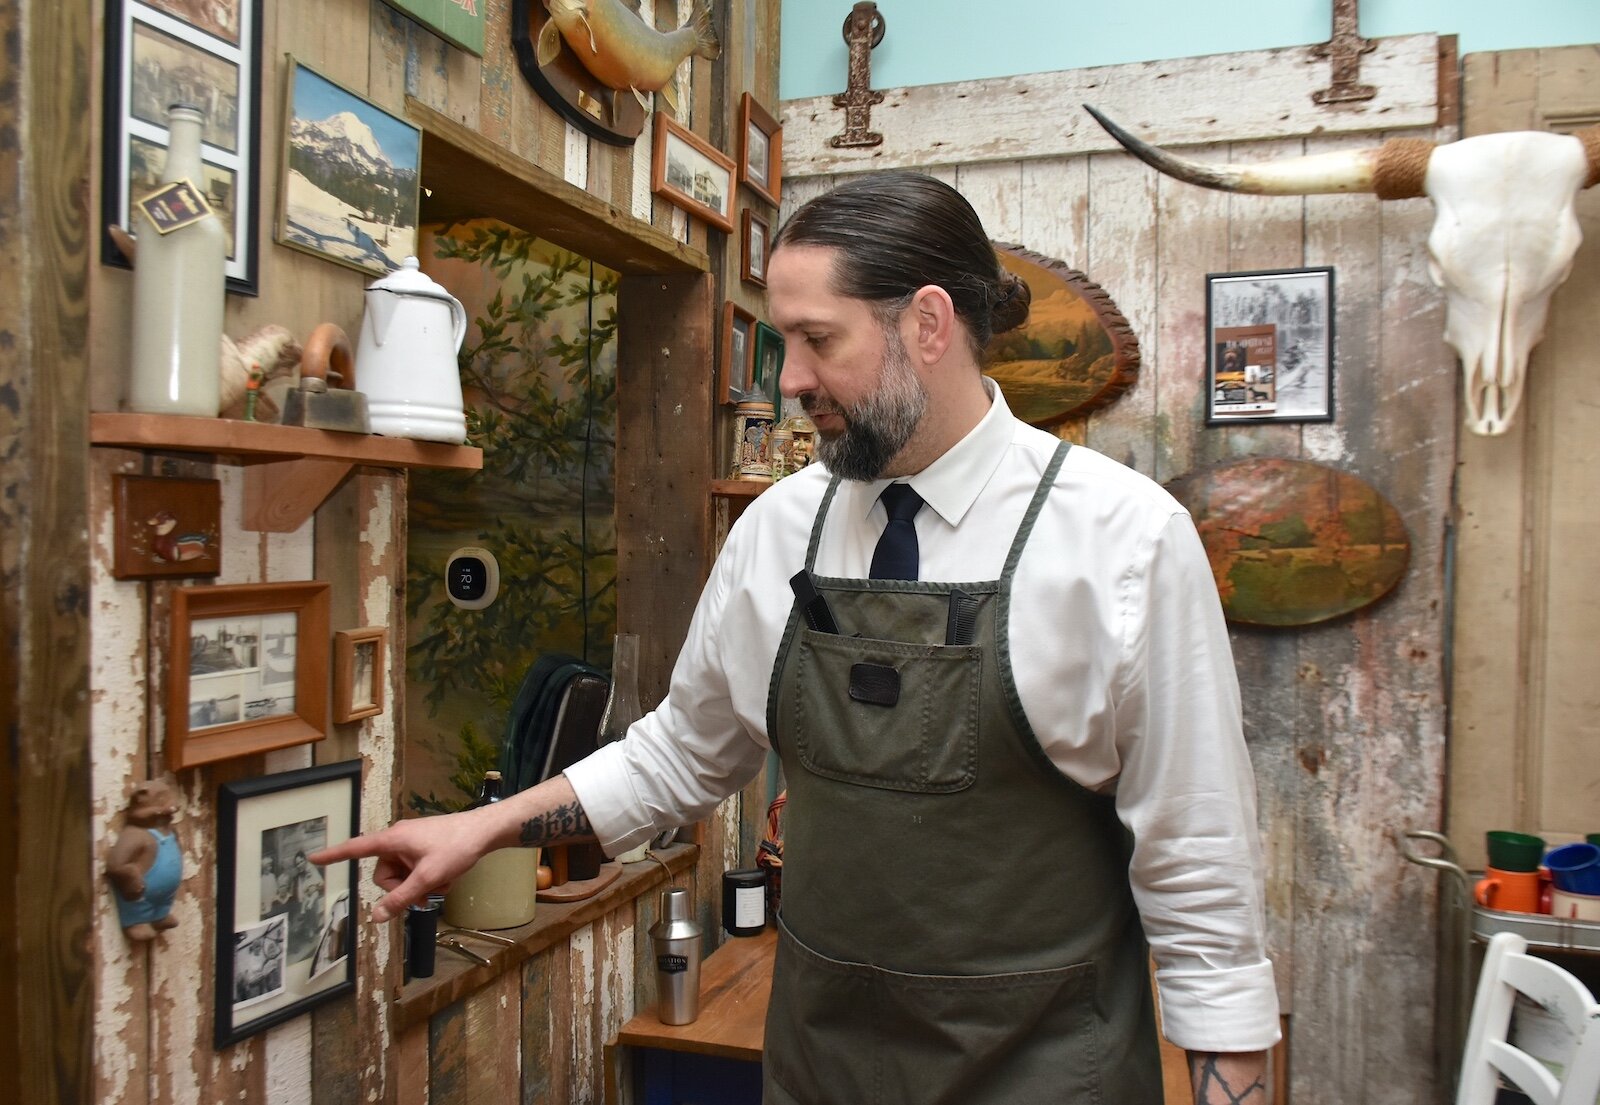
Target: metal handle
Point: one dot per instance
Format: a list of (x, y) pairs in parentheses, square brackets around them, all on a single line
[(1446, 861)]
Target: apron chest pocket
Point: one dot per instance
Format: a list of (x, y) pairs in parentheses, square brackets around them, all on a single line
[(886, 714)]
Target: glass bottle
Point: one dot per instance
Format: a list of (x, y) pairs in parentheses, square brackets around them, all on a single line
[(622, 706), (179, 288)]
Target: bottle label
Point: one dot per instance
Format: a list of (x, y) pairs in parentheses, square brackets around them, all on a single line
[(175, 206), (749, 907), (672, 964)]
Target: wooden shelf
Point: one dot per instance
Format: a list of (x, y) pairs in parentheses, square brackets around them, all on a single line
[(290, 470), (738, 489)]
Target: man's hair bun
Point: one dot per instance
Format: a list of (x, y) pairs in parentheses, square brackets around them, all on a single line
[(1011, 309)]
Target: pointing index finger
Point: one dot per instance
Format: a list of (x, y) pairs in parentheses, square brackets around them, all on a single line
[(357, 847)]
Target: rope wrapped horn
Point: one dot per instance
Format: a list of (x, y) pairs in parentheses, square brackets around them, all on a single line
[(1402, 168), (1590, 137)]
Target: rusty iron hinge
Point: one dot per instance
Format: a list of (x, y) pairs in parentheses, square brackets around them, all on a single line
[(1345, 48), (863, 29)]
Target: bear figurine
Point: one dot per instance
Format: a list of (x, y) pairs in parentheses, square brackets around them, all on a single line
[(145, 865)]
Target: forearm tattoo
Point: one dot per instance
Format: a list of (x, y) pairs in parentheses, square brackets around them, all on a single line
[(565, 823), (1212, 1087)]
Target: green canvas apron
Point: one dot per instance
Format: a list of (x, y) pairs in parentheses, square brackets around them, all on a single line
[(956, 926)]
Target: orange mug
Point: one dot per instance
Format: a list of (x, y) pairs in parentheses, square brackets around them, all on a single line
[(1512, 891)]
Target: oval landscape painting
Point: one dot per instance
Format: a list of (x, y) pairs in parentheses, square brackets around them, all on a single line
[(1293, 543), (1075, 353)]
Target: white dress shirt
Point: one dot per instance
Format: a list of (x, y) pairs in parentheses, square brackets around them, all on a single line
[(1121, 659)]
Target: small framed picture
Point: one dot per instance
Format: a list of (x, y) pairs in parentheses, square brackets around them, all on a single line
[(753, 249), (350, 190), (201, 52), (166, 526), (688, 171), (286, 939), (738, 349), (760, 150), (1269, 346), (358, 673), (768, 363), (248, 670)]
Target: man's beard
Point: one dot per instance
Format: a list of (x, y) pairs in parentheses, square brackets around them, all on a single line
[(878, 427)]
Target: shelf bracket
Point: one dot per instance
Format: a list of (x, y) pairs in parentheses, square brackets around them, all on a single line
[(280, 495)]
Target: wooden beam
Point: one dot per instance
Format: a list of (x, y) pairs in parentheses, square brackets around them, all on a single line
[(466, 176), (46, 886), (664, 464), (1186, 101)]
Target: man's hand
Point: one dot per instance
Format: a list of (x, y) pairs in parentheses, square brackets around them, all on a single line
[(1228, 1078), (422, 855)]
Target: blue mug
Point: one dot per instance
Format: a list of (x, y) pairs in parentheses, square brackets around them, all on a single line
[(1575, 868)]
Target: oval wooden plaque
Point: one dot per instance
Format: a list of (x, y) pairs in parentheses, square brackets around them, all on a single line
[(1075, 353), (1294, 543)]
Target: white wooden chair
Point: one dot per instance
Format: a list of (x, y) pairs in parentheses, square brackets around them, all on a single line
[(1507, 971)]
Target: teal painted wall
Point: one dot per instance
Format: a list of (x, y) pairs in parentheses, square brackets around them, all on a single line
[(935, 41)]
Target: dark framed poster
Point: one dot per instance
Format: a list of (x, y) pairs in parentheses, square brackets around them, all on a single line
[(1269, 346), (201, 52)]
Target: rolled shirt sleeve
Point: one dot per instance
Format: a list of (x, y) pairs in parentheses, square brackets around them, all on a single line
[(1187, 792)]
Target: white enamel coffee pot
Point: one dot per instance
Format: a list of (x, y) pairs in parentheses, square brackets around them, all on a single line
[(406, 357)]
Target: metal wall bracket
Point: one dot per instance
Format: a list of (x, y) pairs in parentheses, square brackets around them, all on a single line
[(863, 29), (1345, 50)]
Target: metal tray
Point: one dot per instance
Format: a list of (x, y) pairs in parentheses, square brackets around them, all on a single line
[(1538, 929)]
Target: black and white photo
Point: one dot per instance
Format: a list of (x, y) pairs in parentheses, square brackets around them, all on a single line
[(259, 971), (688, 171)]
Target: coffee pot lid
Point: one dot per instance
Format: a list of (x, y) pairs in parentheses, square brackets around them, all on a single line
[(409, 279)]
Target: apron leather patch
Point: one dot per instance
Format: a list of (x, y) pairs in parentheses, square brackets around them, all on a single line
[(874, 684)]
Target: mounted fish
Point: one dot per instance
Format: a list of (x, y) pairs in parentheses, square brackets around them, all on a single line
[(622, 51)]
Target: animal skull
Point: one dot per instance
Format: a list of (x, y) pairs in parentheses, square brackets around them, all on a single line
[(1503, 237)]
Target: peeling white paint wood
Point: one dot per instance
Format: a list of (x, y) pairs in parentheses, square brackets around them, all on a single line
[(575, 166), (1189, 101)]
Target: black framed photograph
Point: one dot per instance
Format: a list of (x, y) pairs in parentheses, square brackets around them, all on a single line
[(285, 937), (1269, 346), (768, 363), (201, 52), (351, 181)]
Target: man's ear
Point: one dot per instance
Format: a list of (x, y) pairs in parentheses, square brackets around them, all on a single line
[(931, 322)]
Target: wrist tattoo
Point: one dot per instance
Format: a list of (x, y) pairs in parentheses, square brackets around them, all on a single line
[(1211, 1086), (565, 823)]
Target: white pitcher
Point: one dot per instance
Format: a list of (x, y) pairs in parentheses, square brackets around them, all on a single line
[(406, 357)]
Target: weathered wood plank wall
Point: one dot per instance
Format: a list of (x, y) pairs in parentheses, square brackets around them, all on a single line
[(542, 1029), (1524, 705), (1345, 721)]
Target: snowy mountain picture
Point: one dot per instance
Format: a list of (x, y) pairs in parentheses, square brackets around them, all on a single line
[(351, 171)]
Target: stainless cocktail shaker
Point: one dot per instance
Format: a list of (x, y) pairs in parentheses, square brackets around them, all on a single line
[(676, 937)]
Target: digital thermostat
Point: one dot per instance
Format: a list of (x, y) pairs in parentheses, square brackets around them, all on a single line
[(472, 578)]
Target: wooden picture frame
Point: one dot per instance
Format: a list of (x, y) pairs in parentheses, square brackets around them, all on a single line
[(358, 659), (365, 220), (760, 150), (738, 350), (165, 526), (768, 364), (248, 670), (755, 245), (1269, 346), (285, 929), (689, 172), (161, 51)]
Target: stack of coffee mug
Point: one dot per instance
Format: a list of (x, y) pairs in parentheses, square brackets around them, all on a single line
[(1524, 876)]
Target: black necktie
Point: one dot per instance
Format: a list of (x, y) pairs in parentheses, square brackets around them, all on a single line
[(896, 554)]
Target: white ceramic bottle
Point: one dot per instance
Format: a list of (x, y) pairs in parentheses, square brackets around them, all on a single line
[(179, 287)]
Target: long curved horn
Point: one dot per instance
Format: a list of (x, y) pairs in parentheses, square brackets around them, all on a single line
[(1394, 170)]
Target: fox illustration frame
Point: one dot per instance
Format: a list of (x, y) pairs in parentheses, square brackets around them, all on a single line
[(363, 252)]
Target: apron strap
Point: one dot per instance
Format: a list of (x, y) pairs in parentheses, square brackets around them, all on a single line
[(816, 526), (1046, 482)]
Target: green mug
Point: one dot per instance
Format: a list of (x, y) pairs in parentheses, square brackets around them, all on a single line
[(1509, 851)]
